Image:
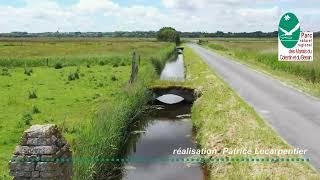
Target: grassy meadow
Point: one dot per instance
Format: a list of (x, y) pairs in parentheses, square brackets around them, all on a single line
[(263, 54), (79, 84)]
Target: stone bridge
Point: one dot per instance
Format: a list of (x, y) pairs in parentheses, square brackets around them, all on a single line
[(188, 94)]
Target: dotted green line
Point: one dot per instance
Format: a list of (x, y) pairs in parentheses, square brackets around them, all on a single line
[(189, 159)]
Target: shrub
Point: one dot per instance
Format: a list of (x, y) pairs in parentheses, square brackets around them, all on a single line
[(115, 65), (168, 34), (123, 64), (35, 110), (33, 94), (27, 118), (58, 65)]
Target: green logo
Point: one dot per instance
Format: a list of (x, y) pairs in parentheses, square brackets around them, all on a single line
[(289, 30)]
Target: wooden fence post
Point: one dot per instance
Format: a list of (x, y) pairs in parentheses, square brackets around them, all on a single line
[(134, 67)]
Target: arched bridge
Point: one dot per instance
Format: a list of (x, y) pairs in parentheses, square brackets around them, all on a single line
[(187, 94)]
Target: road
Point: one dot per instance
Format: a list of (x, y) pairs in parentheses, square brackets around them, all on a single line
[(293, 114)]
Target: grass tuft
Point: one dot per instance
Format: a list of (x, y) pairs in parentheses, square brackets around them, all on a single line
[(27, 118), (5, 72), (33, 94), (28, 71), (35, 110), (58, 65)]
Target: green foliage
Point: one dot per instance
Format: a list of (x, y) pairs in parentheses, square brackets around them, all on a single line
[(167, 54), (168, 34), (28, 71), (202, 42), (71, 105), (27, 118), (74, 75), (5, 72), (217, 47), (113, 78), (33, 94), (106, 134), (35, 110), (58, 65)]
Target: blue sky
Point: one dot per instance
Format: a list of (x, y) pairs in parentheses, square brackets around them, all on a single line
[(125, 15)]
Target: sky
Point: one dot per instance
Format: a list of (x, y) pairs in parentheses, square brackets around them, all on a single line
[(145, 15)]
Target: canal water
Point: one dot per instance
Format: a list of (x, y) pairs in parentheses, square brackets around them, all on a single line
[(166, 127)]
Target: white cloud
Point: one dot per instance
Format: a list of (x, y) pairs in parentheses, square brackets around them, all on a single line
[(108, 15)]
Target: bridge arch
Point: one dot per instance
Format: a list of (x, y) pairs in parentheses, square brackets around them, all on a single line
[(187, 94)]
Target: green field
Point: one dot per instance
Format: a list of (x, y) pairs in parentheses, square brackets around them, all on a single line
[(262, 54), (84, 80)]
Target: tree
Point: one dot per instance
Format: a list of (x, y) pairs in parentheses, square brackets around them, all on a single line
[(168, 34)]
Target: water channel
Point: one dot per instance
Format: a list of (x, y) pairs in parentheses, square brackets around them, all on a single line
[(166, 127)]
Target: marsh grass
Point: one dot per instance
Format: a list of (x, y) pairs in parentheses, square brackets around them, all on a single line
[(79, 107), (27, 118), (33, 94), (107, 133), (35, 110), (159, 62), (28, 71), (5, 72)]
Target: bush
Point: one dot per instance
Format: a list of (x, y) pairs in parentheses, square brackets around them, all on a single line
[(27, 118), (33, 94), (35, 110), (58, 65), (168, 34)]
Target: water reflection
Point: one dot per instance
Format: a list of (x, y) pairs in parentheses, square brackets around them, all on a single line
[(164, 130), (170, 99), (173, 70)]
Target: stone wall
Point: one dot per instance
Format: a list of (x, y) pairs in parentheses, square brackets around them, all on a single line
[(42, 153)]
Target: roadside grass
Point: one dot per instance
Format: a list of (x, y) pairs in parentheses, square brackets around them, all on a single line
[(87, 100), (223, 120), (261, 54)]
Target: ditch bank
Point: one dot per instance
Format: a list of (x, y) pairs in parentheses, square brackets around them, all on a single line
[(223, 120), (166, 126)]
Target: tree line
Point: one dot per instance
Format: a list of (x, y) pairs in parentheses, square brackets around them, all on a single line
[(147, 34)]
